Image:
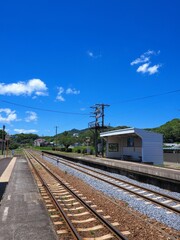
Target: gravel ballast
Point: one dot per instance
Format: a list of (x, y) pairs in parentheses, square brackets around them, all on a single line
[(171, 220)]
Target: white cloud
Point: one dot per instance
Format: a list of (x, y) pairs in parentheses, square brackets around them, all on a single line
[(59, 95), (143, 68), (145, 61), (7, 115), (145, 57), (72, 91), (32, 87), (60, 98), (141, 59), (153, 69), (32, 116), (25, 131), (92, 55), (146, 69), (61, 91)]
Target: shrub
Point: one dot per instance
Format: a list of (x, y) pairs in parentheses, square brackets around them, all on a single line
[(62, 149), (69, 150), (84, 150)]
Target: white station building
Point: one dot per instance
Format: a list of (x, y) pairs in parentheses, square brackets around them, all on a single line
[(134, 144)]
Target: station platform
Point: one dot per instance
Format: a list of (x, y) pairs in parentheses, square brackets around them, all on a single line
[(6, 167), (168, 173), (22, 212), (159, 176), (3, 164), (162, 177)]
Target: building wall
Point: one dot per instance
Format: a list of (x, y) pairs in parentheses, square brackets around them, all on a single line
[(113, 154), (152, 149), (134, 152), (124, 151), (147, 147)]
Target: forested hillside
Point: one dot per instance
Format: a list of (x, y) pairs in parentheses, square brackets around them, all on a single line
[(170, 131)]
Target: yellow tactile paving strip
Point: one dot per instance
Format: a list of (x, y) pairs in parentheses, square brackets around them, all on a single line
[(7, 173)]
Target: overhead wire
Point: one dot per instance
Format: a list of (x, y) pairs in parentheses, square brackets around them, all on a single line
[(146, 97), (87, 114), (42, 109)]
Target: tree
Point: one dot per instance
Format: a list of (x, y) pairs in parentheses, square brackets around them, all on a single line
[(170, 130), (2, 134), (25, 138), (67, 140), (13, 145), (88, 134)]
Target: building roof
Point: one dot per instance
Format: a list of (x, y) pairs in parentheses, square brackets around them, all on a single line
[(39, 140), (131, 131)]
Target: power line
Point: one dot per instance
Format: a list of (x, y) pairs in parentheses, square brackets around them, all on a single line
[(86, 114), (145, 97), (42, 109)]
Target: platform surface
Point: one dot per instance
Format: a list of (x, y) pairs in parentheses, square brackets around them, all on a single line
[(22, 213), (169, 174), (5, 176), (3, 164)]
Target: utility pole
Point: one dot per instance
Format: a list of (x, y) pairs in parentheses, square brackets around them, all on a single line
[(3, 137), (98, 113), (95, 125), (56, 127), (103, 126), (7, 144)]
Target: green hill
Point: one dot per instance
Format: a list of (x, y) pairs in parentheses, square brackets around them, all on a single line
[(170, 130)]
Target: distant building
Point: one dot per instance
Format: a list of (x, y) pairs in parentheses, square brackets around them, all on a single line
[(75, 134), (171, 145), (134, 144), (39, 142)]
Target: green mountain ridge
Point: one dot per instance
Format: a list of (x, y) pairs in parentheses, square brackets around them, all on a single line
[(170, 130)]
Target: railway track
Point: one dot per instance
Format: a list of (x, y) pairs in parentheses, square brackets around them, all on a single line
[(73, 215), (171, 204)]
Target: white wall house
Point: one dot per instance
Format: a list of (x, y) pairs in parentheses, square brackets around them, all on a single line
[(134, 144), (38, 142)]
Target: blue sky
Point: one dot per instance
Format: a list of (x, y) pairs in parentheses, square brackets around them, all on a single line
[(60, 57)]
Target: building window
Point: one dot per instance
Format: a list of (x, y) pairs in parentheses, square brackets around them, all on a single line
[(113, 147), (130, 142)]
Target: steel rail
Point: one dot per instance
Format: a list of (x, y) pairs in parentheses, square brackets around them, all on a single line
[(135, 185), (114, 231), (68, 222), (128, 190)]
